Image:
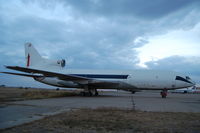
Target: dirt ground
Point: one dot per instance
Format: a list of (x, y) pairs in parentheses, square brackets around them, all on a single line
[(99, 120), (113, 120), (14, 94)]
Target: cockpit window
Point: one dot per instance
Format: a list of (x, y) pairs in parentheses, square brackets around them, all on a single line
[(183, 79), (188, 78)]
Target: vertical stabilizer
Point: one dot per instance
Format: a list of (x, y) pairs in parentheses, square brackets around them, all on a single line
[(33, 58)]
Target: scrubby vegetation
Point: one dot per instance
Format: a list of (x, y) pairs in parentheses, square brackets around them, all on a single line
[(15, 94), (47, 94), (114, 120)]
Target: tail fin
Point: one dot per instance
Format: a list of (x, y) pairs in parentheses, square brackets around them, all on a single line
[(33, 59), (32, 56)]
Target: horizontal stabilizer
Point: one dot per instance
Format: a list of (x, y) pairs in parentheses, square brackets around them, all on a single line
[(21, 74)]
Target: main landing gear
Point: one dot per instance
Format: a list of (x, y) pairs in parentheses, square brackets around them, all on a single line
[(163, 93), (90, 92), (133, 92)]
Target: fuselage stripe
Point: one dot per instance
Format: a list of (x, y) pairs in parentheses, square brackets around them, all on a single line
[(105, 76)]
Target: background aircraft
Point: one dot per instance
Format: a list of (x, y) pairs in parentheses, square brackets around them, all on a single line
[(52, 72), (186, 90)]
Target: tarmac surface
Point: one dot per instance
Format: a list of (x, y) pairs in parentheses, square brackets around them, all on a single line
[(20, 112)]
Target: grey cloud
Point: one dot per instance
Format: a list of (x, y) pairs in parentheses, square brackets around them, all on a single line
[(51, 39), (140, 8), (32, 28), (188, 65), (98, 34), (104, 36)]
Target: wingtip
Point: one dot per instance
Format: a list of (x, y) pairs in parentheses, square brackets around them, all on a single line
[(10, 67), (4, 72), (7, 67)]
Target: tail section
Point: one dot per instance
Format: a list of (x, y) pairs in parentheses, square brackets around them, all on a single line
[(33, 58)]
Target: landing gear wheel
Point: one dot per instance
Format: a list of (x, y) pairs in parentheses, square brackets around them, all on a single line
[(96, 93), (90, 93), (163, 93), (83, 93), (133, 92), (164, 96)]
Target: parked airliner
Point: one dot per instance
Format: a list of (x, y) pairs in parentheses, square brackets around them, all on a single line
[(52, 72)]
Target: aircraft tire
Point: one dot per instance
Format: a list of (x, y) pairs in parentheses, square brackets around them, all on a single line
[(96, 93), (133, 92), (83, 93)]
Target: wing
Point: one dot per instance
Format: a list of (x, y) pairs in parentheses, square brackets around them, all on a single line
[(48, 74), (67, 77)]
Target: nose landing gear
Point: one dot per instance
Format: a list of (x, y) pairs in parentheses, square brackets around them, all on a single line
[(163, 93)]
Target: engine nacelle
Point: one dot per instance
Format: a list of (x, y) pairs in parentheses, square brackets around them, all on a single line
[(61, 62), (54, 81), (52, 63)]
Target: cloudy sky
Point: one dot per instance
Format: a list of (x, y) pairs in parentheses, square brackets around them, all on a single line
[(102, 34)]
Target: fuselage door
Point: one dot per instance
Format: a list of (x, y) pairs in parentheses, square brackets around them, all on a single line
[(173, 83)]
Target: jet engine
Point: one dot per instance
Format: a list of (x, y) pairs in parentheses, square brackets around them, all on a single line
[(58, 63), (61, 62)]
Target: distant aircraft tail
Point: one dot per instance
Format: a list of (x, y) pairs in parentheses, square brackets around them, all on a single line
[(34, 59)]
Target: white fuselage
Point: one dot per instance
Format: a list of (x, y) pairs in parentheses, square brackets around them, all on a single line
[(127, 79)]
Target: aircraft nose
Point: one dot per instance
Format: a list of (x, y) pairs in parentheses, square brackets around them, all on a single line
[(184, 81), (193, 82)]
